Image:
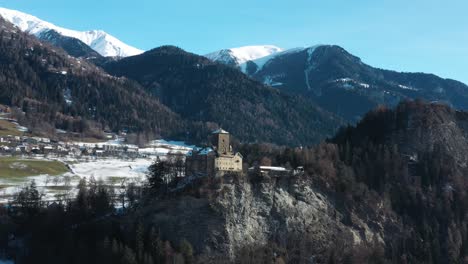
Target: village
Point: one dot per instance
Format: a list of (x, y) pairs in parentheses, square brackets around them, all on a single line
[(41, 146), (58, 165)]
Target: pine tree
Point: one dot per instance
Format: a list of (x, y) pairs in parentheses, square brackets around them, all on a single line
[(156, 245), (139, 240), (157, 175), (129, 256), (187, 250)]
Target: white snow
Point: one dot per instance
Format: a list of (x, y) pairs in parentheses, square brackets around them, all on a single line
[(98, 40), (110, 171), (268, 80), (21, 128), (407, 87), (206, 151), (243, 54), (106, 168), (348, 83), (344, 80), (269, 168), (220, 131), (261, 62), (310, 66), (365, 85), (67, 96)]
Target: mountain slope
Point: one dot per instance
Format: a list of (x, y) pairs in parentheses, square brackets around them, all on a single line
[(199, 89), (237, 56), (341, 83), (55, 90), (72, 46), (98, 40), (376, 194)]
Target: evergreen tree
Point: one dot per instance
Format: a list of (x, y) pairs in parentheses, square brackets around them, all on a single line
[(186, 250), (158, 174)]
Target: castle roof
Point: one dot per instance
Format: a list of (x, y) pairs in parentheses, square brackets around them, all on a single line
[(220, 131), (200, 151)]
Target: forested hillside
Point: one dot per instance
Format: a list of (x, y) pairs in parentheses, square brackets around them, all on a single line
[(372, 194), (201, 90), (404, 171), (55, 90), (72, 46), (343, 84), (398, 176)]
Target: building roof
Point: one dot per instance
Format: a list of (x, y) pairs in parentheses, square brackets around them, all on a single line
[(270, 168), (220, 131), (200, 151)]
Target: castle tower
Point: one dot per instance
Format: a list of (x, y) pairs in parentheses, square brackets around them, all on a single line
[(221, 141)]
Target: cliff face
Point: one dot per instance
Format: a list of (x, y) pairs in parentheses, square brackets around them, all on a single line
[(275, 209), (432, 128), (393, 187), (416, 128), (240, 213)]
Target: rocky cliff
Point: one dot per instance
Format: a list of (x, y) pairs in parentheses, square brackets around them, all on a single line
[(234, 213), (392, 188)]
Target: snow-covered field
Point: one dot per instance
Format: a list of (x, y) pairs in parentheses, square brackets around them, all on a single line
[(105, 168), (111, 171)]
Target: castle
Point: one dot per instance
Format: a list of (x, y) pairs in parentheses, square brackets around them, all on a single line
[(216, 160)]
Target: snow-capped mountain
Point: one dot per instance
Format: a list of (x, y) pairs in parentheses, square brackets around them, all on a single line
[(238, 56), (72, 46), (98, 40), (250, 67), (342, 84)]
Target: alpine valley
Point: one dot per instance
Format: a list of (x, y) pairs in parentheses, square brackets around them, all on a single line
[(254, 154)]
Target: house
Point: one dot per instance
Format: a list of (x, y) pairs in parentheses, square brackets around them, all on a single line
[(47, 149), (271, 171), (215, 160)]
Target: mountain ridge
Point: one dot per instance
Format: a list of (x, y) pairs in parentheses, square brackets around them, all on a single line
[(72, 46), (199, 89), (98, 40), (342, 84), (375, 193), (52, 90), (237, 56)]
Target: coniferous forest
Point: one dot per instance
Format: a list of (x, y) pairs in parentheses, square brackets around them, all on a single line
[(53, 90), (417, 203), (328, 174)]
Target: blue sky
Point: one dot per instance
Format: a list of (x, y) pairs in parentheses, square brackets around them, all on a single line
[(411, 35)]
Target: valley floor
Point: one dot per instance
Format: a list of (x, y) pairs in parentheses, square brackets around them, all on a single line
[(112, 171), (57, 177)]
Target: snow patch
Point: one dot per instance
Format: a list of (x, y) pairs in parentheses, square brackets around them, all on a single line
[(243, 54), (407, 87), (310, 66), (67, 96), (100, 41), (349, 83), (261, 62), (268, 80)]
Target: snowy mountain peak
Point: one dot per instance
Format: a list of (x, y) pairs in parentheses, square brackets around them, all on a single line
[(240, 55), (100, 41), (261, 61)]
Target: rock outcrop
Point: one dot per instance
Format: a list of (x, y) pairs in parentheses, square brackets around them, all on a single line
[(237, 212)]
